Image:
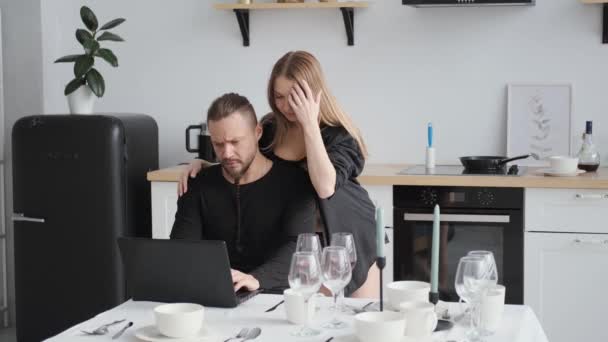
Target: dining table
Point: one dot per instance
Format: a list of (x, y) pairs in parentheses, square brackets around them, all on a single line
[(519, 323)]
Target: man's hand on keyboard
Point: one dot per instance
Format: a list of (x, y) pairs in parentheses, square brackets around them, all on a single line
[(240, 280)]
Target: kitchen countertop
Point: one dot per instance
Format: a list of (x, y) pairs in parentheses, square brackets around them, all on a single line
[(387, 174)]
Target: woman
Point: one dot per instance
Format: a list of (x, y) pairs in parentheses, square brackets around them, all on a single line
[(308, 127)]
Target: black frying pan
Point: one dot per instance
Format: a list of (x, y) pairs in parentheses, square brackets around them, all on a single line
[(487, 162)]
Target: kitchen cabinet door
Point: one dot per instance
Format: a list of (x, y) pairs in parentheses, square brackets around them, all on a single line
[(565, 278), (164, 207), (566, 210)]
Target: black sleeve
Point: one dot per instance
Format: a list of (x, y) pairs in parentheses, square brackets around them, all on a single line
[(298, 217), (344, 154), (188, 218)]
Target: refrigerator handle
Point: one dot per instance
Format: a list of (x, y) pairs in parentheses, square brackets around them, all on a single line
[(22, 217)]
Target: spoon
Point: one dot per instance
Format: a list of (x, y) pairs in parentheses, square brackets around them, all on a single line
[(252, 334)]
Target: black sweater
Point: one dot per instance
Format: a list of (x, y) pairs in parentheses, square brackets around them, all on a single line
[(273, 211)]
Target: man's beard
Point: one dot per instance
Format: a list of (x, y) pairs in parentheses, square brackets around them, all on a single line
[(237, 174)]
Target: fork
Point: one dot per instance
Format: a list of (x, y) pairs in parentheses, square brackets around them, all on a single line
[(241, 334), (102, 330)]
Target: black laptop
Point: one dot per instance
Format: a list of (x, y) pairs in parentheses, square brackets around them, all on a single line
[(180, 271)]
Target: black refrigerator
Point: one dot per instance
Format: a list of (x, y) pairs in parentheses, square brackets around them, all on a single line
[(79, 182)]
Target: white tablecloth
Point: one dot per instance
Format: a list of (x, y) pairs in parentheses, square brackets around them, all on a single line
[(519, 323)]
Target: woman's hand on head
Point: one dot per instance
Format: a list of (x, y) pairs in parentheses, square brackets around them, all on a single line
[(305, 104), (191, 170)]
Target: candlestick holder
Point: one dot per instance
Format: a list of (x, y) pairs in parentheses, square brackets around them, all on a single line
[(381, 262)]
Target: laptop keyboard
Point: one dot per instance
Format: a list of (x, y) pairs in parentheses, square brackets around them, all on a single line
[(244, 295)]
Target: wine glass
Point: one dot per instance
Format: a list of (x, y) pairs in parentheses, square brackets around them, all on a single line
[(347, 241), (336, 275), (470, 284), (309, 242), (305, 278), (491, 269), (491, 276)]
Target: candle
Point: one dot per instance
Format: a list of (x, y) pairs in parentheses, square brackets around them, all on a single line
[(435, 251), (379, 232)]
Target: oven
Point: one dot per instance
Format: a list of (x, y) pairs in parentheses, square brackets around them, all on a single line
[(472, 218)]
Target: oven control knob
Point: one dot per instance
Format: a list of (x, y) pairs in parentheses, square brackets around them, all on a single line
[(428, 196), (485, 197)]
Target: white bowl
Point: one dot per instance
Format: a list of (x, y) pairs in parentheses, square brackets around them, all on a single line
[(179, 320), (563, 164), (407, 290), (385, 326)]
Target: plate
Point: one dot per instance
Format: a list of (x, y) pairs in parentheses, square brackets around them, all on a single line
[(354, 338), (550, 172), (150, 333)]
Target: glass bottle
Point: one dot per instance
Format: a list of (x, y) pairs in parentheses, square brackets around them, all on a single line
[(588, 157)]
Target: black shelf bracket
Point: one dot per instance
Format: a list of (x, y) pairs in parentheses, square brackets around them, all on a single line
[(242, 16), (348, 14), (605, 25)]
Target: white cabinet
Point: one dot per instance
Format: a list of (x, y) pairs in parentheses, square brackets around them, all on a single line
[(164, 207), (565, 280), (565, 267), (566, 210)]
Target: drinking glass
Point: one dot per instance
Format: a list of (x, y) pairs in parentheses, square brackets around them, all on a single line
[(309, 242), (470, 284), (305, 278), (336, 275), (491, 276), (347, 241)]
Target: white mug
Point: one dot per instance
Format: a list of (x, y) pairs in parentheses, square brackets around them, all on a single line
[(420, 317), (179, 320), (492, 308), (407, 290), (297, 311), (563, 164), (384, 326)]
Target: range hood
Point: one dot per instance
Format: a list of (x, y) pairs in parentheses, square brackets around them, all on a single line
[(437, 3)]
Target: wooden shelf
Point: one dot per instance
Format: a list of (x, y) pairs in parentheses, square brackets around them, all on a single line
[(347, 8), (605, 13), (298, 5)]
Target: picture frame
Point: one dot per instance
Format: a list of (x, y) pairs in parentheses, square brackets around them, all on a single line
[(539, 121)]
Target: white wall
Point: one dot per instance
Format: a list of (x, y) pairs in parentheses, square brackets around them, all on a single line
[(409, 66), (22, 64)]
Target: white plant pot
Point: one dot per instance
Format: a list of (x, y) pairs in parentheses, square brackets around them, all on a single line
[(81, 101)]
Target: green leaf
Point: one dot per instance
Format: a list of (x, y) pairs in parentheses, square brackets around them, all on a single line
[(112, 24), (83, 35), (108, 56), (110, 36), (83, 64), (73, 85), (88, 18), (68, 59), (91, 46), (96, 82)]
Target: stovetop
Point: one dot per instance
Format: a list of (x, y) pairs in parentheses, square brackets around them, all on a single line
[(458, 170)]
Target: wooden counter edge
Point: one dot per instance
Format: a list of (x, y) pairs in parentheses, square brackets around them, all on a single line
[(387, 174)]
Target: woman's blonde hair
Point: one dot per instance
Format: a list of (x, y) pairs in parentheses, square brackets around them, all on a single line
[(301, 65)]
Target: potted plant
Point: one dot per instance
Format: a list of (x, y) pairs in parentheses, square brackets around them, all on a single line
[(87, 80)]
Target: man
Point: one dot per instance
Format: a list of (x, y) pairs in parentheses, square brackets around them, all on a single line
[(257, 206)]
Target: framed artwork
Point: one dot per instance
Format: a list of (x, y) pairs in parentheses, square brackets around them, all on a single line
[(538, 121)]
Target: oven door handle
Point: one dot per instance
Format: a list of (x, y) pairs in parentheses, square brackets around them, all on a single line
[(458, 218)]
